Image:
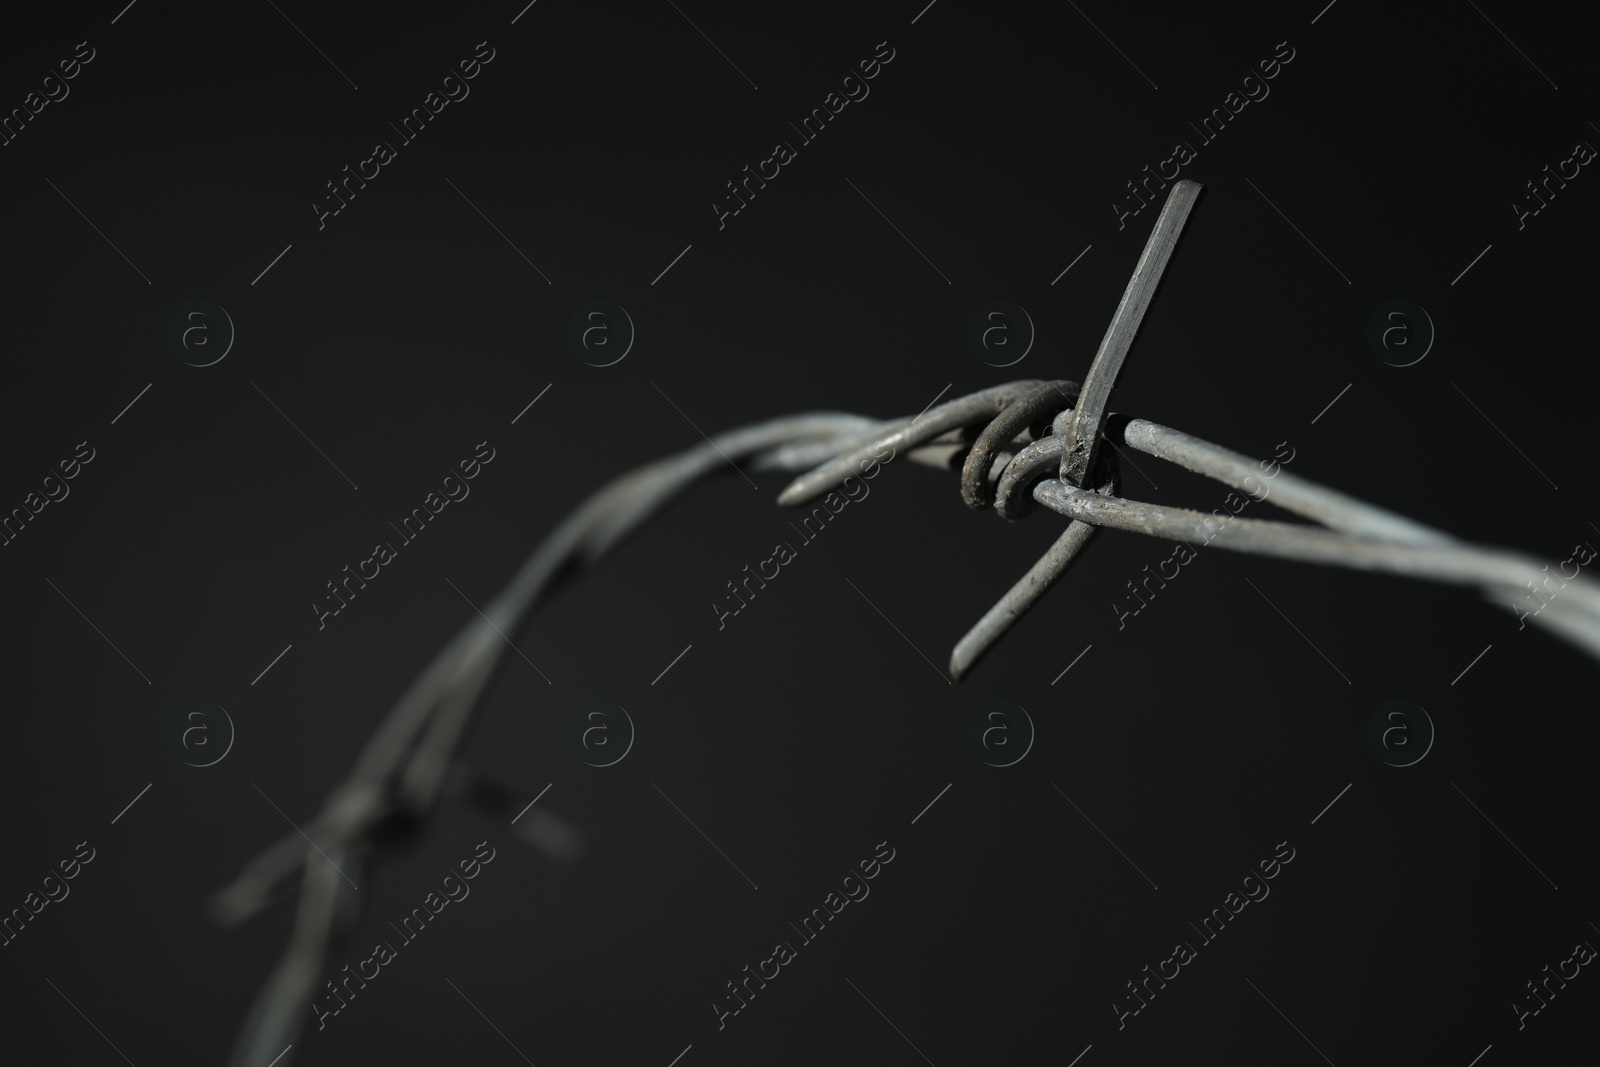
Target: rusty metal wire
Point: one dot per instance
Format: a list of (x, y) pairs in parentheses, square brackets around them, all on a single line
[(1010, 438)]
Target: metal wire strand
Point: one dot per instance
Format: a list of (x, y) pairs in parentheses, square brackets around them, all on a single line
[(1354, 533), (962, 412), (1340, 512), (1013, 496), (1372, 538), (1294, 493), (1459, 564), (1017, 416), (1084, 428), (401, 771), (1040, 577)]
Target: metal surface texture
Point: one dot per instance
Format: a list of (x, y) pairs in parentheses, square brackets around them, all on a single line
[(1088, 421)]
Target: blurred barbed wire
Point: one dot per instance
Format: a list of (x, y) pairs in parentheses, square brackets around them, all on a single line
[(1015, 445)]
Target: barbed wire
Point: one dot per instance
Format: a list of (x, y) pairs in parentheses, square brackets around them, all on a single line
[(1020, 444)]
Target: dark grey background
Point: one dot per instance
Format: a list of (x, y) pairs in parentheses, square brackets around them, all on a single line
[(808, 730)]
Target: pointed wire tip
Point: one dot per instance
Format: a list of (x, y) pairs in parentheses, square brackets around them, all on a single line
[(791, 495)]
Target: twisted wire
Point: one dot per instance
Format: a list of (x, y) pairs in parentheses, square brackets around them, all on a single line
[(1025, 430), (399, 774)]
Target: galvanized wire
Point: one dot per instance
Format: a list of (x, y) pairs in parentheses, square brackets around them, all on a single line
[(1009, 438), (1352, 533), (399, 773)]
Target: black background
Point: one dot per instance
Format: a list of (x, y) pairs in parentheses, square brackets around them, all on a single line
[(808, 730)]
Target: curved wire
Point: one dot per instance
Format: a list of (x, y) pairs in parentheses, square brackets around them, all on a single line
[(401, 771), (1353, 533)]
